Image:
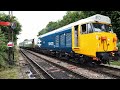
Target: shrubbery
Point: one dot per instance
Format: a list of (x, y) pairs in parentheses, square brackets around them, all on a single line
[(4, 30), (3, 49), (118, 45)]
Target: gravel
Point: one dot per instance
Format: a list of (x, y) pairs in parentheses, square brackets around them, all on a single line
[(87, 73)]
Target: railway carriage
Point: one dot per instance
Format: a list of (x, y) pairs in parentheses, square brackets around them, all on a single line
[(89, 40)]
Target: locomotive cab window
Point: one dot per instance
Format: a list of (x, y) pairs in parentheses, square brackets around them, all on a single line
[(83, 31), (98, 27), (89, 28)]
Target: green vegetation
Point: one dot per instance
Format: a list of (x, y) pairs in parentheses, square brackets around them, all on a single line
[(4, 30), (115, 63), (71, 16), (3, 48), (118, 44), (10, 73)]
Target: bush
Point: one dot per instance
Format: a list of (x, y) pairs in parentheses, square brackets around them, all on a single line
[(3, 61), (3, 48), (118, 44)]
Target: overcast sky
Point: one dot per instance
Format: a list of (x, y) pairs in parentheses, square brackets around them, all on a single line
[(33, 21)]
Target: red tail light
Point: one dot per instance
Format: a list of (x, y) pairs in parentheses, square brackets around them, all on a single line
[(114, 39), (103, 38)]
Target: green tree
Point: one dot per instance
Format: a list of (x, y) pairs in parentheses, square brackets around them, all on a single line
[(6, 29), (67, 19), (43, 31), (3, 47), (3, 42)]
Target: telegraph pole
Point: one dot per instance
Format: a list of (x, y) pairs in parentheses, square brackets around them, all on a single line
[(10, 38), (9, 49)]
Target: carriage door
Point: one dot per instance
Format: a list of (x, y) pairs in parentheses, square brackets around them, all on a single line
[(75, 38)]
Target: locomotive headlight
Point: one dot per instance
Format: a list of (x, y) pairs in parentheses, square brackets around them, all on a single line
[(114, 39), (108, 39), (97, 37)]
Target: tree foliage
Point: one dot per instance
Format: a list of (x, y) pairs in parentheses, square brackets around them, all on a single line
[(67, 19), (6, 29), (3, 42), (72, 16), (3, 48)]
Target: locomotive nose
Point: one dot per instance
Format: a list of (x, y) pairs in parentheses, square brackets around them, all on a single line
[(106, 42)]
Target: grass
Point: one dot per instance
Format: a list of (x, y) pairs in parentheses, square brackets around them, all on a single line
[(13, 71), (115, 63), (10, 73)]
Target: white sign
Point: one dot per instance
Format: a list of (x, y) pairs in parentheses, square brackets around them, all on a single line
[(10, 44)]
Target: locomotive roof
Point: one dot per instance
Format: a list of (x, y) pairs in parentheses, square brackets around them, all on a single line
[(97, 17)]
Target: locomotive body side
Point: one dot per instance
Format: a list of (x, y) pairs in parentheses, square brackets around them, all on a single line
[(86, 40), (60, 41)]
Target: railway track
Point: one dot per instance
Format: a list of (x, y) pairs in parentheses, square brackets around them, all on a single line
[(90, 73), (111, 71), (103, 69), (50, 70), (35, 69)]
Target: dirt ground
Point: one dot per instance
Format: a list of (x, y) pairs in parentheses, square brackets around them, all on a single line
[(23, 69)]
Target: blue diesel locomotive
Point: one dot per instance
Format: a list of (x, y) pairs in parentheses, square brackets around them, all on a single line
[(89, 40)]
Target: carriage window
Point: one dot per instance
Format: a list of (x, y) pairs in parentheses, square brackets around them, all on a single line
[(84, 29), (57, 41), (62, 40), (68, 40)]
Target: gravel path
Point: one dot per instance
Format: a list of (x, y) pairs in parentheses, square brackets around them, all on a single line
[(24, 70)]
